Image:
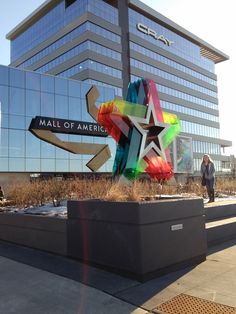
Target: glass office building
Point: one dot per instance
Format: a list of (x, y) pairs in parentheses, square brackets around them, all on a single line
[(110, 43), (25, 95)]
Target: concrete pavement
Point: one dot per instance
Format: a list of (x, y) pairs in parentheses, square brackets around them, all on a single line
[(37, 282)]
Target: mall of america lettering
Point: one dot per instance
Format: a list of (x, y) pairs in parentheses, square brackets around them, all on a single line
[(67, 126)]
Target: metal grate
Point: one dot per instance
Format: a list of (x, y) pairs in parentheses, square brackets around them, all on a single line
[(186, 304)]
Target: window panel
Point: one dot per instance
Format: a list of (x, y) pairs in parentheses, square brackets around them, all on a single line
[(47, 84), (4, 75), (4, 100), (32, 103), (17, 78), (4, 164), (16, 143), (32, 165), (3, 143), (48, 165), (33, 81), (47, 104), (32, 146), (17, 101)]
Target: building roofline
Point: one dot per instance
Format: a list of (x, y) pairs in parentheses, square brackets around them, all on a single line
[(33, 17), (207, 50)]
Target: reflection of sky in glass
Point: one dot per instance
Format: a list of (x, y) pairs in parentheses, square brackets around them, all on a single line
[(0, 122)]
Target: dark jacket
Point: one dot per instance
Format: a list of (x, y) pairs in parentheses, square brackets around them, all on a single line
[(211, 170)]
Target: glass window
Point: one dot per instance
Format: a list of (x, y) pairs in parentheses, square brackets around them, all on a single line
[(3, 143), (32, 146), (48, 165), (32, 103), (47, 104), (17, 101), (74, 89), (4, 99), (4, 164), (61, 153), (84, 167), (85, 115), (47, 83), (61, 86), (32, 165), (47, 150), (17, 164), (4, 75), (62, 165), (16, 143), (16, 122), (61, 107), (76, 166), (4, 121), (74, 108), (17, 78), (33, 80)]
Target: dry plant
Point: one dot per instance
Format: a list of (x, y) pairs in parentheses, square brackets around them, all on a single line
[(42, 192), (120, 192)]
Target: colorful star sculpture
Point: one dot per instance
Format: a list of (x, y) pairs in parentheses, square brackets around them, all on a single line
[(142, 130)]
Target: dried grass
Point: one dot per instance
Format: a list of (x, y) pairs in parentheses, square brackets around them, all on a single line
[(39, 193)]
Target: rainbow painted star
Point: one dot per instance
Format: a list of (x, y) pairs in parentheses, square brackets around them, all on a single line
[(142, 130)]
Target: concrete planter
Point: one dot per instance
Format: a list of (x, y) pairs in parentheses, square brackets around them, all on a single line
[(141, 240), (38, 232)]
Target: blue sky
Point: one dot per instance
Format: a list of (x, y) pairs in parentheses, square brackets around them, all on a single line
[(207, 19)]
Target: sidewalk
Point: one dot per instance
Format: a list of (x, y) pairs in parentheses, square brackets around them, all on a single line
[(37, 282)]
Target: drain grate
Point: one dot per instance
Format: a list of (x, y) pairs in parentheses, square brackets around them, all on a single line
[(186, 304)]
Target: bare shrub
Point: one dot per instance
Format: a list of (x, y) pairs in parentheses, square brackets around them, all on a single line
[(39, 193)]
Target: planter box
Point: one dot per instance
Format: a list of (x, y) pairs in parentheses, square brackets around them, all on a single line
[(38, 232), (141, 240)]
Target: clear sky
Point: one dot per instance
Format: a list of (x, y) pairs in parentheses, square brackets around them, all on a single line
[(211, 20)]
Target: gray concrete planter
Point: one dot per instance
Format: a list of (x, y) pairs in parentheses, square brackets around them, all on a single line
[(141, 240)]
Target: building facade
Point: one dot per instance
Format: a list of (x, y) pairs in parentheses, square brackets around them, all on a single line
[(110, 43), (58, 102)]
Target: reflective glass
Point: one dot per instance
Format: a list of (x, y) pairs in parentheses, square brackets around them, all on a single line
[(4, 164), (47, 165), (33, 80), (4, 75), (61, 86), (61, 106), (75, 166), (4, 121), (17, 143), (17, 101), (16, 122), (47, 83), (3, 143), (74, 89), (180, 47), (76, 139), (4, 105), (17, 78), (32, 164), (62, 165), (84, 167), (75, 108), (32, 148), (17, 164), (47, 150), (32, 103), (61, 153), (47, 104)]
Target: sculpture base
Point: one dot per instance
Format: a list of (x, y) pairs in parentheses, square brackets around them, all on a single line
[(141, 240)]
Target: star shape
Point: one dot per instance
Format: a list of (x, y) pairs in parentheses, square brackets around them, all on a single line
[(151, 131)]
